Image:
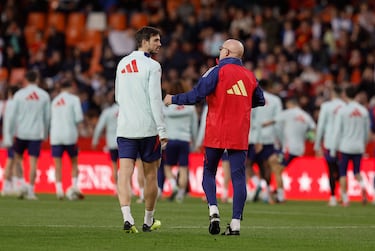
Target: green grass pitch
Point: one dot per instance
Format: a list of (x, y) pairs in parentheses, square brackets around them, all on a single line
[(96, 224)]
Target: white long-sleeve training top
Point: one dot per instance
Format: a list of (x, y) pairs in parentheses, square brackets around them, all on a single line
[(293, 124), (262, 114), (31, 116), (351, 129), (138, 93), (182, 122), (107, 121), (325, 129), (66, 113)]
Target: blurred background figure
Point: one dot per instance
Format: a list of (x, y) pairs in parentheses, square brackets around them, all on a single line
[(182, 126), (66, 117)]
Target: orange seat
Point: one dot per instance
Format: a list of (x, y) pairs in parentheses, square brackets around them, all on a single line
[(3, 73), (117, 21), (74, 31), (17, 75), (56, 19), (91, 39), (138, 20), (76, 19), (30, 34), (37, 20)]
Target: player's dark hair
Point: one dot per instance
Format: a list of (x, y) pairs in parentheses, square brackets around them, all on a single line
[(32, 76), (350, 92), (337, 89), (66, 84), (265, 84), (145, 33), (12, 89)]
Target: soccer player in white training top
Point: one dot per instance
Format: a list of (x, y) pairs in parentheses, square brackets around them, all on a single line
[(66, 115), (140, 126), (30, 121)]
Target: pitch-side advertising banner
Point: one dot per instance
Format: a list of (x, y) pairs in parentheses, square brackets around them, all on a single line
[(305, 178)]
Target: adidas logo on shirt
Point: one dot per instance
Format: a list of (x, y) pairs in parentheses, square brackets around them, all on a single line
[(238, 89), (60, 102), (32, 96), (129, 68)]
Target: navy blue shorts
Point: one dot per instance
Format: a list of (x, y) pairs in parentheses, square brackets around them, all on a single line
[(328, 157), (58, 150), (286, 158), (149, 148), (344, 162), (267, 151), (252, 155), (114, 154), (177, 153), (10, 152), (32, 146)]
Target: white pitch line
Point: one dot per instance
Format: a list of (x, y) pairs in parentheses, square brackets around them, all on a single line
[(203, 227)]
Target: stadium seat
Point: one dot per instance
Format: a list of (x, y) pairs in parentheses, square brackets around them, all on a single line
[(74, 31), (3, 74), (17, 75), (138, 20), (117, 21), (90, 39), (30, 35), (56, 19), (37, 20)]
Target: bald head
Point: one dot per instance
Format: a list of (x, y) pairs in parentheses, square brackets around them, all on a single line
[(231, 48)]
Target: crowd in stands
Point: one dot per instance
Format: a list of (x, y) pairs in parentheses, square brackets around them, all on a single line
[(304, 47)]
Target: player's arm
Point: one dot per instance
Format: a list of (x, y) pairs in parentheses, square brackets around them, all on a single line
[(258, 97), (156, 101), (322, 120), (194, 127), (98, 129), (202, 127), (337, 125), (8, 129), (205, 86)]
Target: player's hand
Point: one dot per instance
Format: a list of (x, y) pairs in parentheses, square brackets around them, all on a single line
[(168, 99), (163, 143)]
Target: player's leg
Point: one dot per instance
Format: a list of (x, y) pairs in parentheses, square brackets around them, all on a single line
[(161, 176), (183, 160), (128, 150), (150, 152), (114, 160), (19, 148), (226, 173), (73, 154), (34, 152), (251, 175), (211, 160), (343, 166), (140, 179), (171, 159), (237, 165), (57, 152), (8, 188), (276, 168), (357, 158)]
